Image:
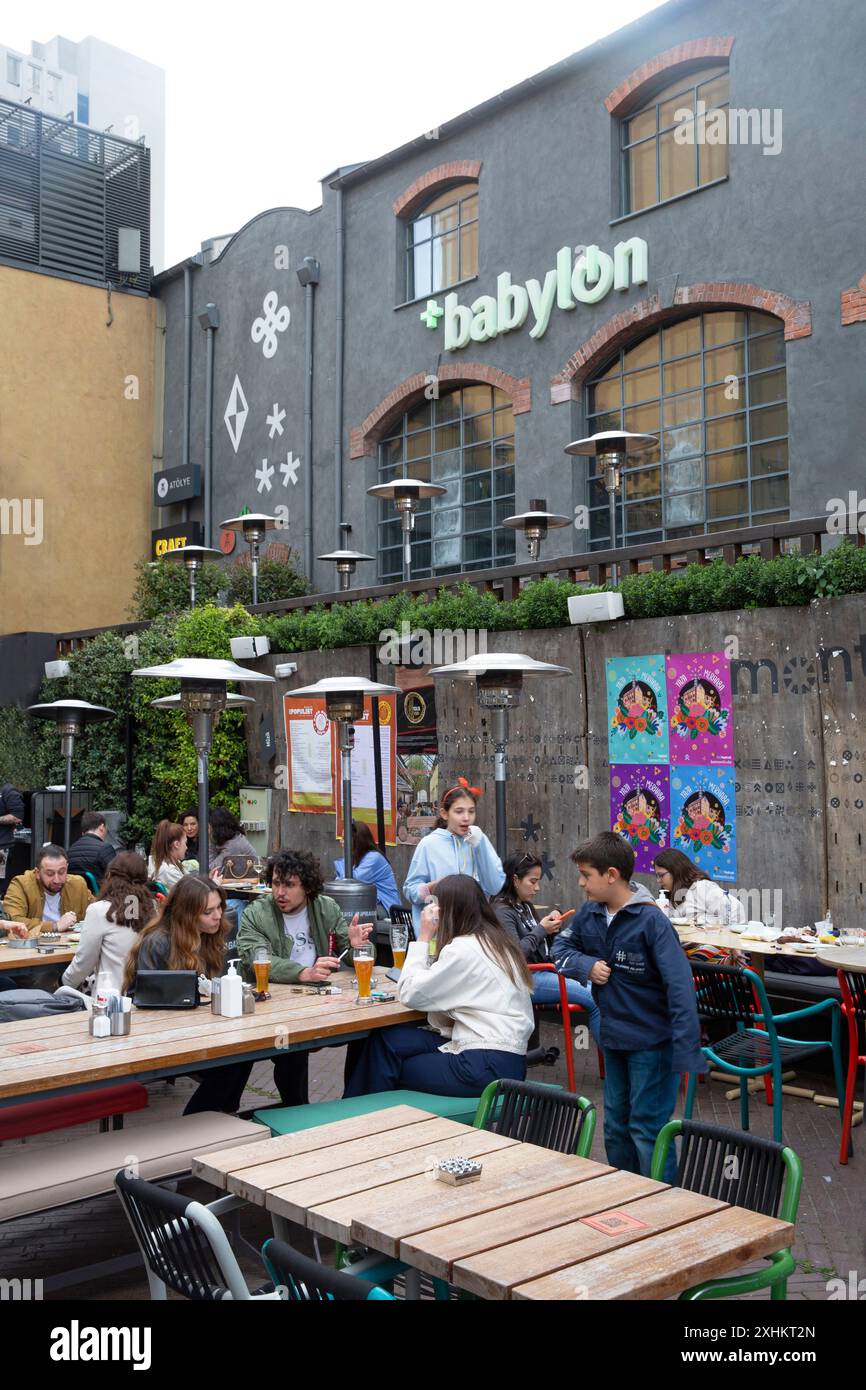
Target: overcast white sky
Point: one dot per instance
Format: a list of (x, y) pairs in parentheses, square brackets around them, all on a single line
[(263, 99)]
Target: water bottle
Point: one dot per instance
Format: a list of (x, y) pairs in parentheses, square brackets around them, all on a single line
[(726, 911)]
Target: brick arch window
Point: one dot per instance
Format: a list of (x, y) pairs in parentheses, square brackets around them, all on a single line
[(463, 440), (712, 388), (441, 239), (675, 140)]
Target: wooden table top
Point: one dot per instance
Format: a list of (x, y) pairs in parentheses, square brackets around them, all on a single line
[(728, 940), (843, 957), (41, 1055), (12, 958), (520, 1232)]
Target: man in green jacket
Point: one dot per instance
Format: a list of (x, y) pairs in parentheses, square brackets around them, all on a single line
[(294, 922)]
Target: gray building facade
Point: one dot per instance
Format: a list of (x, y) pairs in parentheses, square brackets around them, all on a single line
[(663, 232)]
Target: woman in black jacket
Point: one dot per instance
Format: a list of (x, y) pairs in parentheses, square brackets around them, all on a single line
[(513, 907)]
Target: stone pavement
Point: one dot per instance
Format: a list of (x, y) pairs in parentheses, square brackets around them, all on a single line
[(831, 1229)]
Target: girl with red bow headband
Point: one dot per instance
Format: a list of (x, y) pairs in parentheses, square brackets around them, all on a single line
[(456, 846)]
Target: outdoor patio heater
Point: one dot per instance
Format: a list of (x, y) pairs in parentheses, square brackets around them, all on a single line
[(406, 493), (254, 527), (535, 524), (611, 449), (71, 718), (193, 556)]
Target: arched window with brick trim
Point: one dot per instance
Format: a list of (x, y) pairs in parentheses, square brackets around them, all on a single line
[(463, 440), (441, 240), (675, 140), (712, 388)]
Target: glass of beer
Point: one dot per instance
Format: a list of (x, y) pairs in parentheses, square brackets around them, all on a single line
[(364, 958), (262, 968), (399, 944)]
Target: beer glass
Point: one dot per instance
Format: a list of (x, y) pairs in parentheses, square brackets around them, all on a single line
[(399, 944), (363, 958), (262, 968)]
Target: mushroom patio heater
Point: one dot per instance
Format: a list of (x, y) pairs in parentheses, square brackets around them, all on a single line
[(499, 680), (344, 702), (346, 561), (254, 527), (203, 697), (71, 717), (406, 493), (193, 556), (535, 524), (611, 448)]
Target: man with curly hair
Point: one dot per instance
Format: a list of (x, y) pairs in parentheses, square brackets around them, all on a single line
[(293, 921)]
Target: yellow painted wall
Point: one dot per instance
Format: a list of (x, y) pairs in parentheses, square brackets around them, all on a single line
[(73, 434)]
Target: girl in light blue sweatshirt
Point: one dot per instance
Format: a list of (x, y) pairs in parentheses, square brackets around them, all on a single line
[(456, 846)]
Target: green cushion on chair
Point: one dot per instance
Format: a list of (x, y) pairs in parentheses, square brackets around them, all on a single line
[(291, 1119)]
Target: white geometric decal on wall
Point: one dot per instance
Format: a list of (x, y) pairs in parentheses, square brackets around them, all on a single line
[(275, 420), (289, 469), (236, 414), (275, 320), (264, 475)]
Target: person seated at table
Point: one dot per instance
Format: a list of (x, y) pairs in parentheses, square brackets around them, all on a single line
[(692, 893), (188, 933), (112, 923), (189, 821), (49, 897), (370, 866), (167, 853), (92, 851), (514, 909), (294, 922), (650, 1033), (227, 840), (477, 993)]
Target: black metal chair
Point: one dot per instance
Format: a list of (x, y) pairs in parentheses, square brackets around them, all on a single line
[(302, 1280), (536, 1114), (402, 917), (183, 1245), (746, 1171)]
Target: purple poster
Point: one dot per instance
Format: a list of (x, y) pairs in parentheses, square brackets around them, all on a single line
[(699, 709), (640, 809)]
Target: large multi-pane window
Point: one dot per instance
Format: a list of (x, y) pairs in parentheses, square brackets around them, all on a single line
[(465, 442), (712, 388), (442, 242), (656, 165)]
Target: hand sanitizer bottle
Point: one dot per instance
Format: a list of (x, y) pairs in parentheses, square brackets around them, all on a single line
[(726, 909), (232, 993), (663, 905)]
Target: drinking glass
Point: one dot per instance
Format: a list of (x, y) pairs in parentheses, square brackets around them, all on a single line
[(363, 958), (262, 968), (399, 945)]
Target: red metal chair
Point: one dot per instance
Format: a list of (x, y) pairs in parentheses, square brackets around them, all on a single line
[(853, 986), (565, 1008)]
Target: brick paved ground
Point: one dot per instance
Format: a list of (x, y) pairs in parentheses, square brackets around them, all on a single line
[(831, 1230)]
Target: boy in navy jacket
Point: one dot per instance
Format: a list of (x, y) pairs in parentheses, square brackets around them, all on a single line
[(642, 982)]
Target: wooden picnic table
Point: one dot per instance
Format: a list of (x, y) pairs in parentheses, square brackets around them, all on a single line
[(12, 958), (537, 1225), (55, 1055)]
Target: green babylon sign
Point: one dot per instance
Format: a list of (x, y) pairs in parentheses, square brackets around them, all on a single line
[(584, 280)]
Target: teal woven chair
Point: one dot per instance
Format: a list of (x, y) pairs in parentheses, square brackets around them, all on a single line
[(746, 1171), (302, 1280), (538, 1114), (738, 996), (90, 879)]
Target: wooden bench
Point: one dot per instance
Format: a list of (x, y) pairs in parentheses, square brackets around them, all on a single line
[(62, 1112)]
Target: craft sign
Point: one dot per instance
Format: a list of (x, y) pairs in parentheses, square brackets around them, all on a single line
[(175, 538)]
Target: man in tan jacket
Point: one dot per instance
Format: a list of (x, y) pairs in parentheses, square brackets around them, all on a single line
[(47, 898)]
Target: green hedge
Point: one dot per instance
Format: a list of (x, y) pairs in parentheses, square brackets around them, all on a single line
[(163, 586)]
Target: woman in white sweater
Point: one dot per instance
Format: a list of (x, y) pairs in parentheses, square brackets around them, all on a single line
[(477, 993), (111, 924), (692, 893)]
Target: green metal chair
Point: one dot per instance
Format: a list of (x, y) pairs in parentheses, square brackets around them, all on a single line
[(538, 1114), (746, 1171), (306, 1281), (738, 996), (90, 879)]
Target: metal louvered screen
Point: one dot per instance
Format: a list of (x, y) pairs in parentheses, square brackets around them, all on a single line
[(65, 192)]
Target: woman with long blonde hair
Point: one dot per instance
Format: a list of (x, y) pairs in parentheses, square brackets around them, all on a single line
[(189, 933), (478, 995)]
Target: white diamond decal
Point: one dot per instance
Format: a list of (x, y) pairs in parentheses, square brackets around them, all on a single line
[(236, 414)]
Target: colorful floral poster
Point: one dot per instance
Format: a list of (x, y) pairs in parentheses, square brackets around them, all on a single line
[(640, 809), (637, 717), (702, 807), (699, 709)]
